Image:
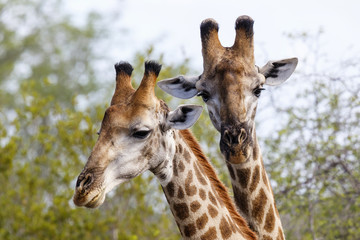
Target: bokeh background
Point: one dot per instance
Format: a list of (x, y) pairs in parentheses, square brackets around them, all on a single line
[(57, 78)]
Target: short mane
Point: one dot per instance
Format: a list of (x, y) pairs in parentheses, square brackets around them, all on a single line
[(219, 186)]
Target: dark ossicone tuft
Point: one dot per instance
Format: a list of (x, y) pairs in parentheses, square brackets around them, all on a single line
[(207, 25), (246, 23), (123, 67), (152, 66)]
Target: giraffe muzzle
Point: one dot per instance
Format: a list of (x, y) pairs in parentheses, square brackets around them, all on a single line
[(235, 143), (88, 191)]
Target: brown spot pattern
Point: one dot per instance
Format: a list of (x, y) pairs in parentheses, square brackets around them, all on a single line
[(259, 205), (175, 170), (163, 143), (180, 194), (170, 188), (186, 155), (212, 198), (243, 176), (180, 148), (190, 189), (212, 211), (241, 200), (181, 166), (181, 210), (231, 171), (265, 237), (225, 228), (209, 235), (199, 175), (270, 220), (194, 206), (201, 221), (202, 194), (255, 179), (189, 230)]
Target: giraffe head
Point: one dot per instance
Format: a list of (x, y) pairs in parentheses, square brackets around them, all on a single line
[(230, 85), (134, 136)]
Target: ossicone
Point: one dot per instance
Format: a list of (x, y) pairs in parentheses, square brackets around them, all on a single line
[(207, 26), (246, 24), (123, 67), (152, 67)]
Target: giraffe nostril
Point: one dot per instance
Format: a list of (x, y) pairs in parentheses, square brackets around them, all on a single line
[(88, 180), (84, 182), (242, 135), (227, 139)]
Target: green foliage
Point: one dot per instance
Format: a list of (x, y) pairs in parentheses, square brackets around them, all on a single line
[(313, 158), (39, 41)]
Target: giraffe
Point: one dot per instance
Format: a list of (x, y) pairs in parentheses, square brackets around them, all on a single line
[(140, 133), (230, 85)]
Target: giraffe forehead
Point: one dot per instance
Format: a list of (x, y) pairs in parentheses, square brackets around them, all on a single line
[(128, 116), (230, 79), (235, 85)]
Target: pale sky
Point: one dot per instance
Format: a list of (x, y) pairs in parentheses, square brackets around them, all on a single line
[(173, 26)]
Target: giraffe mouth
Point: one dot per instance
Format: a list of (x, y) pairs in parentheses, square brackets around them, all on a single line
[(91, 199), (96, 201)]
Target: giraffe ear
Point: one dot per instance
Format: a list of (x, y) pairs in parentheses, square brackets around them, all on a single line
[(180, 87), (277, 72), (183, 117)]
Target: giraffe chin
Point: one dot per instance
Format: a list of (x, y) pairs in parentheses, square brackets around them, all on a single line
[(96, 201), (90, 200)]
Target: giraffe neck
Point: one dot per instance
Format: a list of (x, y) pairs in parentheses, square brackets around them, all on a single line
[(199, 202), (254, 196)]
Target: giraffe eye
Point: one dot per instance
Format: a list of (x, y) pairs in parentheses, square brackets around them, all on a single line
[(142, 134), (257, 91), (205, 95)]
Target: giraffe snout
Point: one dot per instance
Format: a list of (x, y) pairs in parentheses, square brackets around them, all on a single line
[(235, 142)]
